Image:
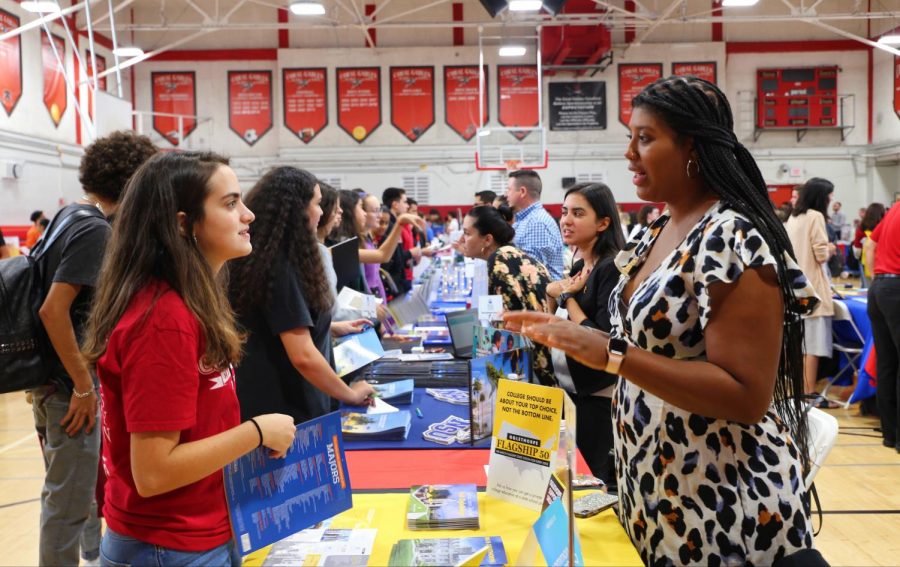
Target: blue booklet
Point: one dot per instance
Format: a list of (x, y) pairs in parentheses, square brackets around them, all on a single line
[(270, 499), (392, 426), (399, 392), (352, 352)]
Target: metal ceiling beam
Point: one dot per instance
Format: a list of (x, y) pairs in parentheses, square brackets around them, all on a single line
[(105, 16), (409, 12), (848, 35), (135, 60), (659, 21), (38, 22), (199, 10)]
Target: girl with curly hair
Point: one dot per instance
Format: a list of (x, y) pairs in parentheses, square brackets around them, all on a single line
[(283, 300), (162, 337)]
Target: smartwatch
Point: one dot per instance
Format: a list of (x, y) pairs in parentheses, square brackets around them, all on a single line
[(563, 297), (615, 352)]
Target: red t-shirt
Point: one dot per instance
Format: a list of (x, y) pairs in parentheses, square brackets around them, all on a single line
[(151, 379), (887, 236)]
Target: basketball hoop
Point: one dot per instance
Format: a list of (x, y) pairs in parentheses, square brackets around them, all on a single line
[(512, 165)]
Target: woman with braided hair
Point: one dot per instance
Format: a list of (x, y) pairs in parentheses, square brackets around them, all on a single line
[(706, 337)]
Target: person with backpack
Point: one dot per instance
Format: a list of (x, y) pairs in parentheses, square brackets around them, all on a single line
[(163, 338), (66, 409)]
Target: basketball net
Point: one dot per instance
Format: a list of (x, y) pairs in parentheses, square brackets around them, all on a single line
[(512, 165)]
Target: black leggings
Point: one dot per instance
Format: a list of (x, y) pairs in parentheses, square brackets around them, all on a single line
[(884, 312), (594, 435)]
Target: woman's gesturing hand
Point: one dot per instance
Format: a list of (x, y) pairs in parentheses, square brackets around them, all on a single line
[(585, 345), (277, 432)]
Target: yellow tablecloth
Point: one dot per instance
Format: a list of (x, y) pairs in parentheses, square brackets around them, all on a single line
[(603, 540)]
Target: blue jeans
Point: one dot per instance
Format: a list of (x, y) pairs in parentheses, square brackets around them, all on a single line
[(68, 510), (117, 550)]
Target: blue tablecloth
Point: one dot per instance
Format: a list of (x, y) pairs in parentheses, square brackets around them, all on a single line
[(433, 411), (865, 384)]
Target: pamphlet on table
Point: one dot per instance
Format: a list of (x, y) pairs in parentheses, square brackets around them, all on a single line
[(442, 507), (438, 552), (270, 499), (392, 426), (321, 546)]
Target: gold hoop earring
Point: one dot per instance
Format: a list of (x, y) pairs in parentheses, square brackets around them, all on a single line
[(687, 169)]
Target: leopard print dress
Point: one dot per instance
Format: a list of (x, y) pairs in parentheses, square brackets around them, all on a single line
[(693, 489)]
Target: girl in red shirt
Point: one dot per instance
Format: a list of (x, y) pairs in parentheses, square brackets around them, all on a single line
[(163, 339)]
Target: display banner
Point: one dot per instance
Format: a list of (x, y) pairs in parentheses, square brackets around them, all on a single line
[(517, 89), (633, 77), (101, 82), (174, 93), (705, 71), (896, 85), (10, 63), (55, 96), (412, 100), (578, 105), (305, 99), (250, 104), (359, 101), (461, 99)]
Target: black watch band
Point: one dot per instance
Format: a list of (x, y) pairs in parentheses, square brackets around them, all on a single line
[(563, 297)]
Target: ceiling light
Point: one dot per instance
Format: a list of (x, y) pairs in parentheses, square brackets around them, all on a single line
[(484, 132), (738, 3), (525, 5), (125, 51), (307, 8), (891, 39), (42, 7), (512, 51)]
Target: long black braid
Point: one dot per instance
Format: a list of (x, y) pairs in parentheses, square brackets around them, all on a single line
[(697, 109)]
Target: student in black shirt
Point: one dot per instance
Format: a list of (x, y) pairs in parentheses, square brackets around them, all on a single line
[(590, 223), (282, 299), (65, 411)]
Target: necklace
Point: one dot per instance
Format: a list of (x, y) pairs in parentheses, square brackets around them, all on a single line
[(93, 202)]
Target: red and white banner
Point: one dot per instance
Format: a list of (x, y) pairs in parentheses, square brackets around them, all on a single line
[(174, 93), (55, 97), (705, 70), (461, 99), (101, 82), (10, 63), (250, 104), (897, 85), (517, 88), (305, 99), (633, 77), (359, 101), (412, 100)]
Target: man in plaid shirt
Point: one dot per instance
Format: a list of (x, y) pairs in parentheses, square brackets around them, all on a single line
[(537, 234)]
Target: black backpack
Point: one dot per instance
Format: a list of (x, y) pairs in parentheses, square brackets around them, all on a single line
[(27, 358)]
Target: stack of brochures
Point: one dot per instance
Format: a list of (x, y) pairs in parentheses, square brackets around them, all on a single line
[(392, 426), (399, 392), (442, 507), (448, 551)]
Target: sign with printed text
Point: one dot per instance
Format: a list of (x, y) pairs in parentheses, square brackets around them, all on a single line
[(412, 100), (101, 82), (633, 77), (359, 101), (250, 104), (705, 71), (524, 443), (55, 96), (174, 94), (578, 105), (461, 99), (517, 90), (305, 99), (10, 63)]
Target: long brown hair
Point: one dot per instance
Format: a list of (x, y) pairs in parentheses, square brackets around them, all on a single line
[(280, 200), (147, 243)]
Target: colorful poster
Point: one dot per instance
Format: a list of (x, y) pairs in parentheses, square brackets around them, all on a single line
[(517, 89), (412, 100), (705, 71), (174, 95), (896, 85), (461, 99), (271, 499), (359, 101), (633, 77), (55, 96), (305, 99), (486, 372), (101, 82), (250, 104), (524, 443), (10, 63)]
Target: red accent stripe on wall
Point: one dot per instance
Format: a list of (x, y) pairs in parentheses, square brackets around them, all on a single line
[(458, 35), (793, 46), (218, 55), (717, 26), (370, 9), (629, 30), (284, 39)]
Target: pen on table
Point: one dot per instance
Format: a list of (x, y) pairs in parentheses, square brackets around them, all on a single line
[(419, 413)]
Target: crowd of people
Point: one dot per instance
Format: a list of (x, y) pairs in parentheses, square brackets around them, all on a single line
[(204, 319)]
